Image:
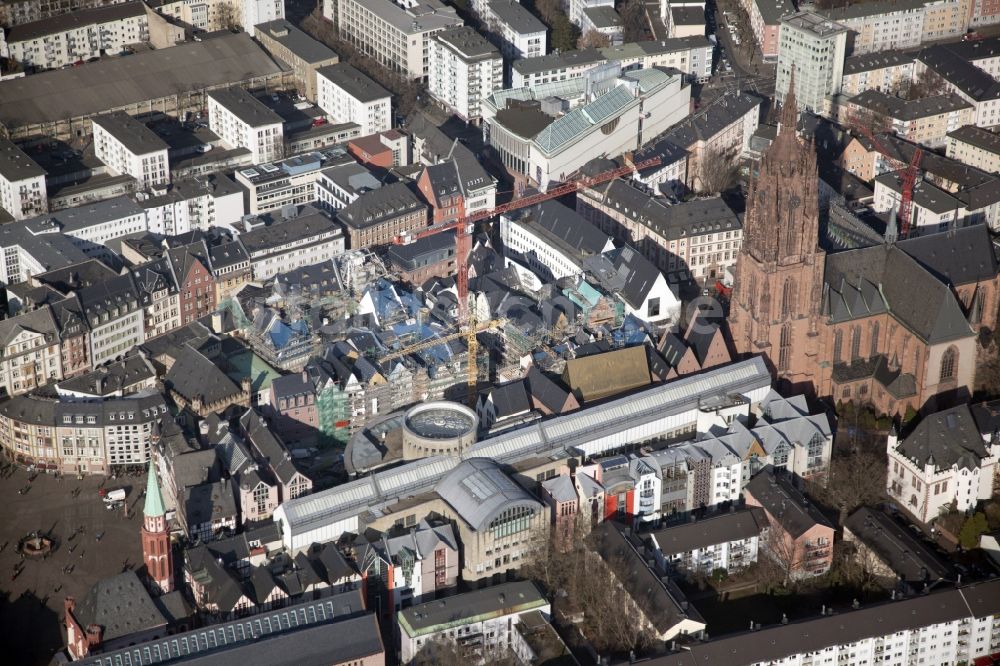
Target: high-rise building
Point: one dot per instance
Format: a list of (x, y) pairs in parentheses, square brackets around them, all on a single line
[(156, 537), (814, 47)]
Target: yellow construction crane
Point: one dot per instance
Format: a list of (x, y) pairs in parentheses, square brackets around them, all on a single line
[(469, 333)]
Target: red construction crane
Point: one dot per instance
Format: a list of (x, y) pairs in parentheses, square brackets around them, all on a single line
[(463, 237), (909, 174)]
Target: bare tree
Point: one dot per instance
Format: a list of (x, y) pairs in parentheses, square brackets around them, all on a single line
[(928, 84), (859, 567), (857, 478), (228, 17), (779, 559), (717, 172), (593, 40), (635, 26)]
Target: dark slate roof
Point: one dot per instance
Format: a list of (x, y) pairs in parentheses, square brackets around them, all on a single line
[(682, 220), (978, 137), (207, 502), (423, 251), (557, 60), (510, 399), (193, 374), (775, 643), (546, 391), (504, 598), (885, 278), (354, 82), (710, 531), (785, 503), (308, 222), (221, 586), (117, 293), (661, 601), (299, 43), (869, 61), (134, 135), (962, 256), (565, 228), (120, 605), (516, 16), (703, 125), (227, 254), (71, 278), (247, 108), (946, 438), (953, 67), (895, 545), (268, 446), (261, 584), (902, 109), (385, 203), (76, 19)]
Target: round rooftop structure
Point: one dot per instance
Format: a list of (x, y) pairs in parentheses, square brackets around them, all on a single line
[(438, 428)]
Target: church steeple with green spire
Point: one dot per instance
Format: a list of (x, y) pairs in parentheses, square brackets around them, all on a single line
[(156, 549), (154, 499)]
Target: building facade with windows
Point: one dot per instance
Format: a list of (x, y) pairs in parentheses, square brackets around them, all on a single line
[(22, 183), (949, 459), (128, 147), (350, 96), (464, 69), (242, 121), (814, 47)]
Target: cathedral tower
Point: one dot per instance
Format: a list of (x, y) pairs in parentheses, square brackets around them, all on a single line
[(775, 309), (156, 537)]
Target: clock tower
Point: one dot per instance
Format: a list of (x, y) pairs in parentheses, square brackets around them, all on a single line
[(775, 309)]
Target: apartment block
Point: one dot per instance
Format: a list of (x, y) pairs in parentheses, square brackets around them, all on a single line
[(464, 69), (925, 121), (812, 47), (397, 36), (522, 35), (254, 12), (800, 538), (22, 183), (976, 147), (885, 71), (950, 625), (78, 35), (765, 22), (691, 55), (243, 121), (193, 204), (729, 540), (881, 25), (128, 147), (554, 67), (349, 96)]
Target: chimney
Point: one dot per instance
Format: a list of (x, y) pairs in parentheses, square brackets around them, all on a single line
[(94, 633)]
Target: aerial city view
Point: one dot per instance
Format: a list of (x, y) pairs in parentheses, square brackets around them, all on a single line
[(500, 332)]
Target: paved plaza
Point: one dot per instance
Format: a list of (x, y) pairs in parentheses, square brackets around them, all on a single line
[(31, 605)]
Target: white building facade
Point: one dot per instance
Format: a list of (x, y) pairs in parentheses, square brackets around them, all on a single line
[(349, 96), (464, 69), (242, 121)]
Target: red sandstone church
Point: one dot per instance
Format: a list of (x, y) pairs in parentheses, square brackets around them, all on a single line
[(894, 325)]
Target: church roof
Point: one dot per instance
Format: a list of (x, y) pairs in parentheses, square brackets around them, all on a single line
[(873, 280)]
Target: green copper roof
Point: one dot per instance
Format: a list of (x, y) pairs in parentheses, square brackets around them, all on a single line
[(154, 500)]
